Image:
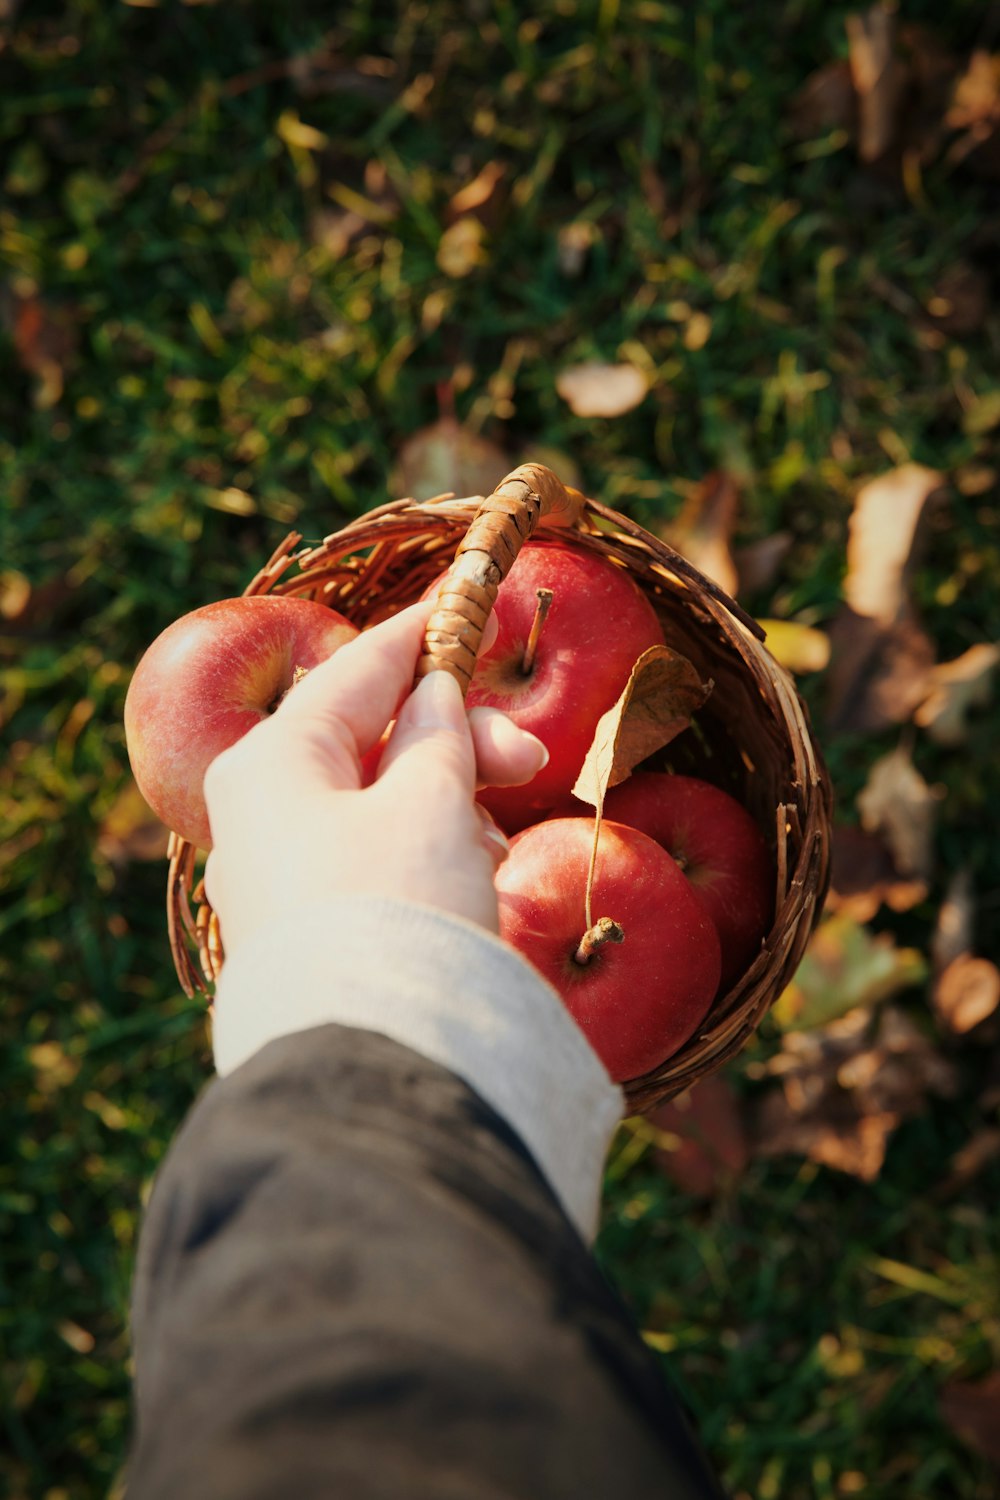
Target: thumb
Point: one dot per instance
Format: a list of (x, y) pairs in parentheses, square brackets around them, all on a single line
[(432, 735)]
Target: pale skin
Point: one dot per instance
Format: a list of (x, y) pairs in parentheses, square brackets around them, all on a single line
[(291, 822)]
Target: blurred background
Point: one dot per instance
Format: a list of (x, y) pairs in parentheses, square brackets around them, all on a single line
[(263, 267)]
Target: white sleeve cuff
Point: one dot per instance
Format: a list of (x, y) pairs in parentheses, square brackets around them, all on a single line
[(449, 990)]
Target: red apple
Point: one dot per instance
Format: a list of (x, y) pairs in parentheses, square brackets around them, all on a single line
[(718, 846), (636, 999), (598, 624), (206, 680)]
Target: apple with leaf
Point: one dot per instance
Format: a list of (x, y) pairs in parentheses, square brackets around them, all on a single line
[(640, 978)]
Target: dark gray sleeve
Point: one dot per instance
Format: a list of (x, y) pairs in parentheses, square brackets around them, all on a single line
[(353, 1282)]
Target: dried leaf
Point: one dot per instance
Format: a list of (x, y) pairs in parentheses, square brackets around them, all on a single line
[(800, 648), (966, 1164), (573, 246), (897, 801), (956, 688), (845, 966), (966, 992), (976, 100), (599, 390), (758, 564), (955, 921), (45, 339), (656, 704), (881, 658), (478, 194), (983, 414), (461, 248), (974, 112), (878, 76), (844, 1140), (825, 102), (845, 1086), (972, 1411), (26, 606), (703, 531), (703, 1137), (130, 830), (446, 458), (863, 877), (878, 674), (882, 542)]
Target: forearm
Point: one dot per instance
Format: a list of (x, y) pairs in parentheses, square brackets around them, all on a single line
[(353, 1279)]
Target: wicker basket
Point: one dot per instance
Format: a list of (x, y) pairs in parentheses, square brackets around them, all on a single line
[(753, 740)]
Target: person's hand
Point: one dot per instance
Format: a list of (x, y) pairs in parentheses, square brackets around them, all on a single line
[(291, 822)]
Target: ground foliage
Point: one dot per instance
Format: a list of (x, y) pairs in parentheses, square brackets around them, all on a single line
[(265, 266)]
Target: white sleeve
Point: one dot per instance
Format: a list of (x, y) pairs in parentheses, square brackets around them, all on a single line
[(449, 990)]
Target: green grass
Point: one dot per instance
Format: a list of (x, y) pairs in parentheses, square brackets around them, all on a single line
[(218, 346)]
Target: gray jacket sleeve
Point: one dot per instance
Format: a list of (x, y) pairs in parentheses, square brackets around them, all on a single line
[(354, 1281)]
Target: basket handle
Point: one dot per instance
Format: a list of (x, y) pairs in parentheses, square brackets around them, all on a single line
[(499, 529)]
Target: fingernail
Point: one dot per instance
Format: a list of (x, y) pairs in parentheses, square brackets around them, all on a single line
[(438, 703), (543, 751), (497, 838)]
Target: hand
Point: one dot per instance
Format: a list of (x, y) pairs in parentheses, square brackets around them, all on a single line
[(291, 822)]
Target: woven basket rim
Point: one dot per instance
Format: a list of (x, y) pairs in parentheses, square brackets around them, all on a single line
[(364, 550)]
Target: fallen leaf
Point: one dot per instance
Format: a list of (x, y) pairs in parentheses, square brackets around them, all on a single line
[(825, 102), (863, 877), (703, 531), (878, 76), (704, 1142), (983, 414), (663, 692), (878, 674), (845, 966), (974, 113), (966, 1164), (883, 538), (130, 831), (845, 1087), (966, 992), (956, 688), (479, 196), (446, 458), (599, 390), (758, 564), (881, 657), (897, 802), (45, 339), (955, 921), (26, 606), (461, 248), (800, 648), (972, 1411), (573, 246), (976, 99)]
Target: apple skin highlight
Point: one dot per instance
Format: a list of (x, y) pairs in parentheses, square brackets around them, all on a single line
[(208, 679), (636, 1001)]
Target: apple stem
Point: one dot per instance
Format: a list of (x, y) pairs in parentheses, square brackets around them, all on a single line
[(544, 597), (297, 677), (603, 931)]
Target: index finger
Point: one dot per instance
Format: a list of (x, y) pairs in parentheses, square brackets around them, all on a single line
[(361, 687)]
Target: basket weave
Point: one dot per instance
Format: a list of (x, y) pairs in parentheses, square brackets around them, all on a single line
[(753, 734)]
